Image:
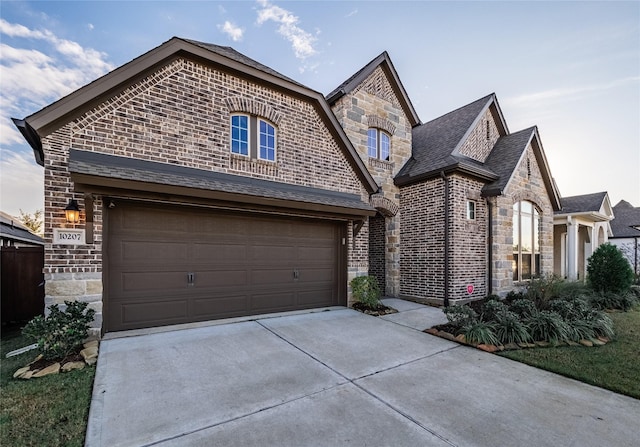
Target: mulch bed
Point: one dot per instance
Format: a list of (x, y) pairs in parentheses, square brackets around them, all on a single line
[(380, 309)]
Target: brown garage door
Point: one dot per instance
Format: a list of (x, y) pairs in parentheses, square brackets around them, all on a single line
[(169, 265)]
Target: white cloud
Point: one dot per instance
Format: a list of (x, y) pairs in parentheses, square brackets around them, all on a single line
[(234, 32), (21, 183), (301, 40), (90, 26), (352, 13), (552, 96), (39, 69)]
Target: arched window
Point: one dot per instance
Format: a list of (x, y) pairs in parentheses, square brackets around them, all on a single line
[(526, 241), (253, 137)]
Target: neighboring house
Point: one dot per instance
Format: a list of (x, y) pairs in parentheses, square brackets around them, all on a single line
[(580, 227), (626, 232), (211, 186), (14, 233)]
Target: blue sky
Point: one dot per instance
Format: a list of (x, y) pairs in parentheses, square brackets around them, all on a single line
[(571, 68)]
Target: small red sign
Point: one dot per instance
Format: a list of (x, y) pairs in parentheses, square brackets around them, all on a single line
[(470, 289)]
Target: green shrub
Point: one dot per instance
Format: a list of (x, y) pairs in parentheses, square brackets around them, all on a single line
[(366, 290), (523, 307), (570, 309), (548, 325), (61, 332), (509, 328), (480, 332), (460, 316), (542, 290), (491, 309), (608, 270)]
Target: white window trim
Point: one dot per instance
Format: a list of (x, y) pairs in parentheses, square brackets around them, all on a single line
[(275, 140), (469, 204), (379, 133), (248, 154)]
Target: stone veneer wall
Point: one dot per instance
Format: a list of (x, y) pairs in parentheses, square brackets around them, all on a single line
[(180, 114), (526, 184), (374, 104)]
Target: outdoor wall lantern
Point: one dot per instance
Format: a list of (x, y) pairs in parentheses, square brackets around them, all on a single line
[(72, 211)]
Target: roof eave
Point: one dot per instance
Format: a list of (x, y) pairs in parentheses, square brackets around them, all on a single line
[(32, 138), (455, 168)]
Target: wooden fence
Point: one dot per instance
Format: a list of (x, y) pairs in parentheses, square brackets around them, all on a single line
[(22, 283)]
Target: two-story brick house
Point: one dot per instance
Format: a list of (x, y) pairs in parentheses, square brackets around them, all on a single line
[(211, 186)]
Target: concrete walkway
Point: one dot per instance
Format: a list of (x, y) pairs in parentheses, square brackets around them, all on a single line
[(338, 377)]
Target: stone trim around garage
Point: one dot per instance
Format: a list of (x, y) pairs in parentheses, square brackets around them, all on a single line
[(85, 287)]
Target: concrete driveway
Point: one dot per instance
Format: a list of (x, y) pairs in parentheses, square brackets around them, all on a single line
[(335, 378)]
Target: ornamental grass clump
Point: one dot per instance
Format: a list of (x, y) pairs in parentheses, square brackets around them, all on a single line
[(480, 332)]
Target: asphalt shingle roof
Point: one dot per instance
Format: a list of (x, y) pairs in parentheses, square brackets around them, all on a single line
[(435, 141), (110, 166), (504, 158), (626, 217), (239, 57), (582, 203)]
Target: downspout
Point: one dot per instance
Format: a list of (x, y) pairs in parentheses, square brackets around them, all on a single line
[(490, 242), (446, 238)]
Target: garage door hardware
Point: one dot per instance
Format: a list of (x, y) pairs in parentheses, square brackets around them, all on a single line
[(296, 274), (190, 278)]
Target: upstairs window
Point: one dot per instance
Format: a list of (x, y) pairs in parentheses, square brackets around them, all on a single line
[(267, 141), (240, 134), (378, 144), (253, 137)]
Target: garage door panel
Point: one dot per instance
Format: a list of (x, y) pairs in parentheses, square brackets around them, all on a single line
[(154, 312), (160, 251), (243, 264), (278, 254), (152, 281), (319, 274), (219, 253), (220, 278), (272, 302), (227, 305), (272, 276), (317, 297)]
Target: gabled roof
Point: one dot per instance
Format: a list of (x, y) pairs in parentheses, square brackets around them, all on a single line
[(504, 158), (594, 207), (383, 61), (583, 203), (11, 228), (436, 144), (54, 116), (626, 218)]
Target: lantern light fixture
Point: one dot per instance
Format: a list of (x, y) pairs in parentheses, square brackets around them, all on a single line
[(72, 211)]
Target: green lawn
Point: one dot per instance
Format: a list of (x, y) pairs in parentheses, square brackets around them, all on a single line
[(615, 366), (49, 411)]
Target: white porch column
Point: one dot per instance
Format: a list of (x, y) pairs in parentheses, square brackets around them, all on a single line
[(572, 249)]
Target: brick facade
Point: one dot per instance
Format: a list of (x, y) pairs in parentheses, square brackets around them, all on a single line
[(180, 115), (481, 139)]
